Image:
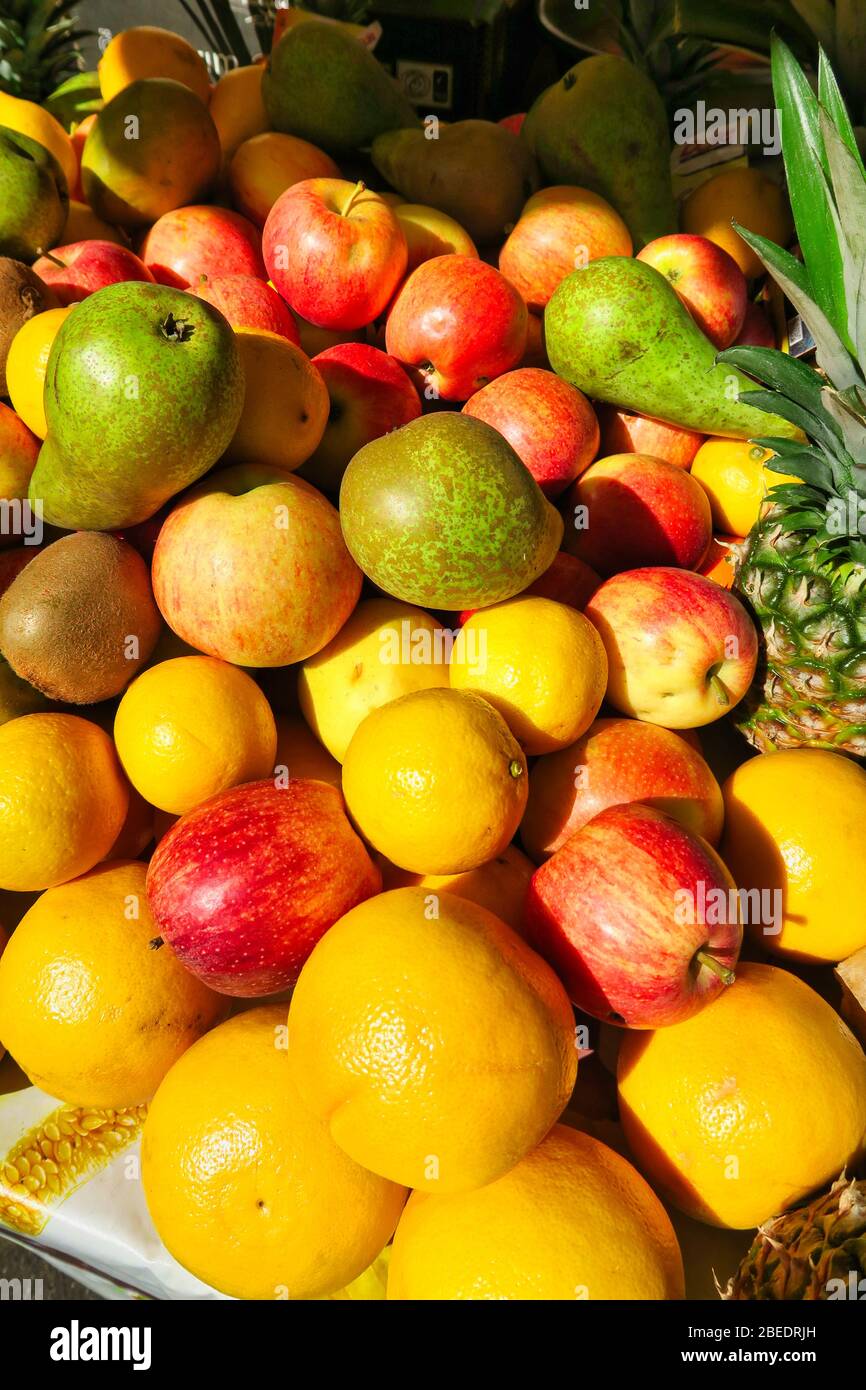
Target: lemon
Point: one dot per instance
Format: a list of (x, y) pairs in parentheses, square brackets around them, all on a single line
[(90, 1009), (732, 473), (63, 799), (192, 727), (385, 650), (244, 1184), (436, 781), (27, 364), (435, 1044), (28, 118), (743, 1109), (540, 663), (572, 1221)]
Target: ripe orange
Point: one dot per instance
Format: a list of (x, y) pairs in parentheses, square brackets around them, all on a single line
[(746, 196), (148, 51)]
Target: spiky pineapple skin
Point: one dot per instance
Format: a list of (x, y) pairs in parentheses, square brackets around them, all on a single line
[(810, 690), (796, 1256)]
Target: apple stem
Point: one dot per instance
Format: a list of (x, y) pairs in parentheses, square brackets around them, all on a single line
[(360, 187), (724, 972), (55, 260), (721, 690)]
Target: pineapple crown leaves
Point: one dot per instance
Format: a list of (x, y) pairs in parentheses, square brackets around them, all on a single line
[(38, 45)]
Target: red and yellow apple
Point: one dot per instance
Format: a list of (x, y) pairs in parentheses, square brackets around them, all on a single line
[(681, 650), (249, 302), (184, 245), (549, 424), (617, 761), (83, 267), (430, 233), (263, 167), (625, 433), (638, 917), (560, 229), (631, 510), (370, 395), (251, 566), (707, 280), (334, 251), (244, 885), (459, 324), (757, 329)]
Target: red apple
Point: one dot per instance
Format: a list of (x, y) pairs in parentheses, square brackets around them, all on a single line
[(251, 566), (248, 302), (459, 323), (83, 267), (625, 433), (757, 329), (535, 353), (370, 395), (560, 230), (550, 425), (681, 650), (244, 886), (188, 243), (514, 123), (707, 280), (615, 762), (631, 510), (79, 139), (639, 918), (567, 580), (335, 251)]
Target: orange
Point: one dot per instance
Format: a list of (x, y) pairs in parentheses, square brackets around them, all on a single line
[(719, 563), (746, 196), (244, 1184), (436, 781), (191, 727), (438, 1048), (794, 840), (29, 119), (19, 450), (286, 404), (499, 885), (742, 1110), (148, 51), (266, 165), (386, 649), (63, 799), (572, 1221), (236, 106), (90, 1008), (733, 474), (540, 663), (27, 364)]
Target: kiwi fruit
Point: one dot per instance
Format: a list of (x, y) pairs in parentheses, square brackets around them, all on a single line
[(80, 620), (22, 294)]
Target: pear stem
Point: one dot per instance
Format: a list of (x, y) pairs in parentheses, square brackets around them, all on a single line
[(360, 187), (724, 972)]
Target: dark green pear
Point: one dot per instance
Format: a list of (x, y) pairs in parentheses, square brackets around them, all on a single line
[(34, 199), (324, 86), (619, 332), (143, 393), (443, 513)]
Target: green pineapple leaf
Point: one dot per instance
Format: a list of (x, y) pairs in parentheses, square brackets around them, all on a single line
[(845, 409), (832, 101), (781, 373), (848, 206)]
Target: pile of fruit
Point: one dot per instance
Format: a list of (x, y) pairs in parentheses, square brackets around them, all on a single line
[(389, 579)]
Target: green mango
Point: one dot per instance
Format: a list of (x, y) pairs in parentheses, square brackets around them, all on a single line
[(143, 393), (603, 126), (442, 513), (34, 199), (321, 84), (619, 332), (443, 174)]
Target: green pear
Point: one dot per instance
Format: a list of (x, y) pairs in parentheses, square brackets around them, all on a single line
[(603, 126), (324, 86), (143, 393), (34, 199), (619, 332), (446, 173)]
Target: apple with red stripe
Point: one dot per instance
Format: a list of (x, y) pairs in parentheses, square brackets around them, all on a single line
[(80, 269), (243, 886), (681, 650), (190, 242), (632, 510), (624, 432), (707, 279), (248, 302), (638, 917)]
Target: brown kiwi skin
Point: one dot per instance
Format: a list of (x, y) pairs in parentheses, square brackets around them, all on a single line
[(66, 619), (22, 294)]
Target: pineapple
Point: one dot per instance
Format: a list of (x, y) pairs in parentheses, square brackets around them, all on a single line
[(38, 46), (803, 566), (817, 1251)]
